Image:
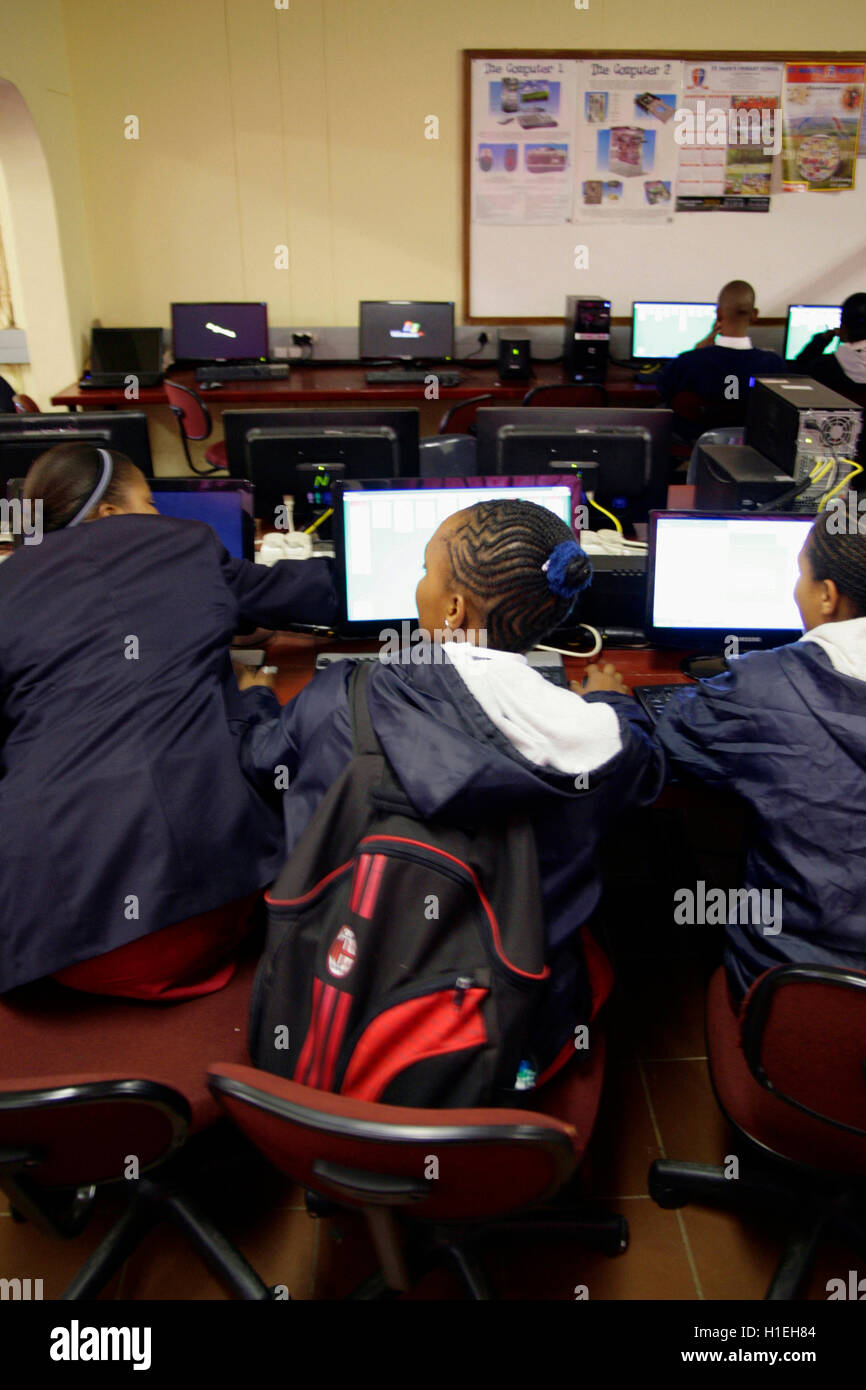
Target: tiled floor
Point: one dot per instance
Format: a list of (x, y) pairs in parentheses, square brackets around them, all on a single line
[(657, 1101)]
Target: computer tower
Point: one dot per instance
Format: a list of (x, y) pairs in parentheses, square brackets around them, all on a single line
[(735, 477), (587, 338), (514, 357), (798, 423)]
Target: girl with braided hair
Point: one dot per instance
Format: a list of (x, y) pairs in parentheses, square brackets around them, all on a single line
[(786, 731), (474, 732)]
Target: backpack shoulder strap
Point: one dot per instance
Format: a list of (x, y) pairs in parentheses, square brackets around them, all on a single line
[(364, 738)]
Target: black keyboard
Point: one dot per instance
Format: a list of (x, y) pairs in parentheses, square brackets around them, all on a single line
[(404, 376), (254, 371), (654, 698), (619, 565)]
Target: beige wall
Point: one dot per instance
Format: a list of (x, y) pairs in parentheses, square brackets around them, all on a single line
[(305, 126)]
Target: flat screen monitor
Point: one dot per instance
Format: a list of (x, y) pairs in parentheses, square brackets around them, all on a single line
[(660, 330), (657, 424), (713, 576), (238, 424), (616, 461), (411, 328), (136, 350), (225, 504), (219, 332), (383, 526), (305, 464), (804, 321), (24, 437)]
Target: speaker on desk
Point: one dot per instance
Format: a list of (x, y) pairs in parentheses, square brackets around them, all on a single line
[(514, 357)]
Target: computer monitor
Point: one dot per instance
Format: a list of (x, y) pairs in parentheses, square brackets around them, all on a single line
[(24, 437), (614, 460), (722, 575), (549, 420), (661, 329), (225, 332), (238, 424), (225, 504), (407, 328), (383, 526), (804, 321), (136, 350), (305, 462)]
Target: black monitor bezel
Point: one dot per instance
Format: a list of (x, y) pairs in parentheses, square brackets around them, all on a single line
[(241, 486), (404, 420), (710, 639), (110, 425), (228, 304), (157, 334)]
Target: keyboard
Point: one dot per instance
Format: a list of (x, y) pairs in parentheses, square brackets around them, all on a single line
[(620, 566), (654, 698), (547, 664), (251, 371), (405, 376)]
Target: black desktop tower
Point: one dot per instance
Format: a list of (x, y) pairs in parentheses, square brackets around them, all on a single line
[(514, 357), (587, 338), (796, 422)]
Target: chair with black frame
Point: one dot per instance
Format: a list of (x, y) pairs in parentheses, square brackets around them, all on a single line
[(498, 1169), (70, 1120), (566, 393), (788, 1072), (194, 422), (460, 419)]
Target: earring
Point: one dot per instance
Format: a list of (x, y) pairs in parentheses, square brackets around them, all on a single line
[(447, 624)]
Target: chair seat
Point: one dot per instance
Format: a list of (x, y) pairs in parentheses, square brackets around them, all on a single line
[(770, 1122), (216, 455), (51, 1033)]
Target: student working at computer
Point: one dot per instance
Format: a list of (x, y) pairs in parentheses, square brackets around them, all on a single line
[(845, 369), (718, 369), (133, 847), (786, 731), (474, 732)]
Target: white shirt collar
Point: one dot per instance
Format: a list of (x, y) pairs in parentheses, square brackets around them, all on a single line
[(743, 344)]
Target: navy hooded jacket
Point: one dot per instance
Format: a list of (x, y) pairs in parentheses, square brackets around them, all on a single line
[(452, 761), (786, 731), (123, 808)]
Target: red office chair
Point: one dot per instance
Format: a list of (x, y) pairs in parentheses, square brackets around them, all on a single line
[(25, 405), (566, 394), (85, 1082), (460, 419), (788, 1073), (494, 1170), (194, 422)]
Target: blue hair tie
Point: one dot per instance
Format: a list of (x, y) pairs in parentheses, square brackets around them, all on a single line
[(556, 566)]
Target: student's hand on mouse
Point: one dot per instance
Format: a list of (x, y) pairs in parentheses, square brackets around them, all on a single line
[(247, 676), (605, 677), (710, 338)]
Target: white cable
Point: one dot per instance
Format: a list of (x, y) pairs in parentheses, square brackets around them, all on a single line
[(540, 647)]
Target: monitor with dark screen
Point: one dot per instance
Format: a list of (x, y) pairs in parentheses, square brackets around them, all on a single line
[(417, 329), (219, 332)]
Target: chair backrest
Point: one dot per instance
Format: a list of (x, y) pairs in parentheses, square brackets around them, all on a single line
[(566, 393), (461, 417), (359, 1153), (25, 405), (192, 414), (804, 1039), (733, 434), (448, 456)]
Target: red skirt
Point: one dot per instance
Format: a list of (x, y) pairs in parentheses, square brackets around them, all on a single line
[(182, 961)]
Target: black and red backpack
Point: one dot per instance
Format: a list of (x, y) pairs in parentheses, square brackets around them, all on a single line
[(405, 958)]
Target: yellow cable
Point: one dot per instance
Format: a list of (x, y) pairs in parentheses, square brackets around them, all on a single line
[(599, 508), (855, 469), (319, 520)]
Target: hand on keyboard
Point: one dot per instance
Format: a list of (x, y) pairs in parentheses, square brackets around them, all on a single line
[(605, 677)]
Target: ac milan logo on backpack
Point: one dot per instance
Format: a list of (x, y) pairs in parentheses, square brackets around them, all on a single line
[(343, 952)]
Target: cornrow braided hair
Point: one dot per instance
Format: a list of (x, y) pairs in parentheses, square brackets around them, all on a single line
[(500, 554), (840, 557)]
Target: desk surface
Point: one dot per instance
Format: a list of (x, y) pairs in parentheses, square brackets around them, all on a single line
[(311, 384)]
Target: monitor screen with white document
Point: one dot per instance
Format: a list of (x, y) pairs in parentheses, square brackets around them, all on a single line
[(382, 527), (715, 576)]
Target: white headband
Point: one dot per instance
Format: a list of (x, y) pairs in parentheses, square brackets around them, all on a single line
[(98, 492)]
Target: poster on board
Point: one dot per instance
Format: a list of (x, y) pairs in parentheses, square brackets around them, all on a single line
[(522, 134), (822, 112), (728, 130), (626, 155)]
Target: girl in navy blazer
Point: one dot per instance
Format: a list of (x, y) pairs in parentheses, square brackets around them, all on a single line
[(131, 845)]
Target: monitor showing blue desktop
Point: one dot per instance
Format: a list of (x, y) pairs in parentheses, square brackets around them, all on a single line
[(219, 332), (804, 321), (714, 576), (225, 504), (382, 529), (662, 330)]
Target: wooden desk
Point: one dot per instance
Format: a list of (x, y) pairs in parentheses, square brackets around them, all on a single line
[(311, 384)]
